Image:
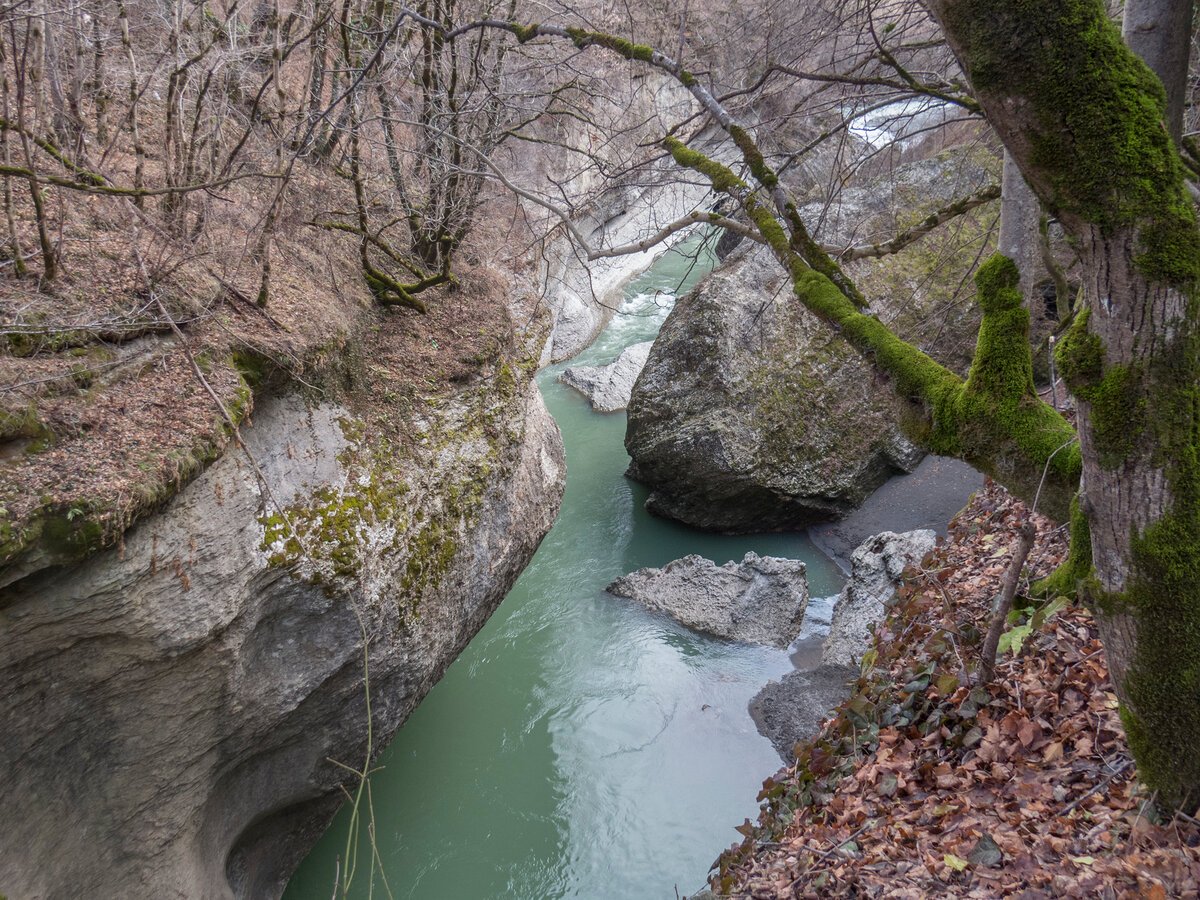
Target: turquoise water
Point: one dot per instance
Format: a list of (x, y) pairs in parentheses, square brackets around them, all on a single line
[(581, 746)]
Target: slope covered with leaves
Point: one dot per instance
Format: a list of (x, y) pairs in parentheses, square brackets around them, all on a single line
[(926, 784)]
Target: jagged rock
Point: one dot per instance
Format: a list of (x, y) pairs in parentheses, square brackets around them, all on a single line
[(608, 387), (750, 415), (789, 710), (175, 705), (875, 569), (760, 600)]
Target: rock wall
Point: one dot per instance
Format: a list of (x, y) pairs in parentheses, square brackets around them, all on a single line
[(619, 199), (173, 703)]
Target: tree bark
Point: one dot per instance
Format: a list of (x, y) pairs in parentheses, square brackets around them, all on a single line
[(1020, 235), (1083, 118), (1160, 32)]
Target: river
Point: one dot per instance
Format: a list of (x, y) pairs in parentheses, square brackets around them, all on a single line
[(581, 746)]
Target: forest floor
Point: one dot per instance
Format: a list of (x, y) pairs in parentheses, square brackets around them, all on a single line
[(924, 784)]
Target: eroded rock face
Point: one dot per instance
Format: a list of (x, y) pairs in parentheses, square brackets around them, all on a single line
[(875, 569), (760, 600), (581, 293), (608, 387), (173, 705), (750, 415)]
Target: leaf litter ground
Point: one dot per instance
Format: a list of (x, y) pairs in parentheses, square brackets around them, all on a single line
[(923, 784)]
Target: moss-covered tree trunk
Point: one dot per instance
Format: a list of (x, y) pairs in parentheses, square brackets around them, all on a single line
[(1083, 117), (1160, 32)]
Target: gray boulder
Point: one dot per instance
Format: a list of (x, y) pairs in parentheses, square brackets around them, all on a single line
[(791, 709), (750, 415), (608, 387), (760, 600), (875, 569)]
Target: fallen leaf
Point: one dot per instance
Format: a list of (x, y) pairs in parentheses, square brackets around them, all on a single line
[(957, 863), (986, 853)]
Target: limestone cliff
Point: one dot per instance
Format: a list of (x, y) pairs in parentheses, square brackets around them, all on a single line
[(176, 702)]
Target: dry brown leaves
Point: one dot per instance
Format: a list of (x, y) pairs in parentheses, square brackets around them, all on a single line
[(1026, 790)]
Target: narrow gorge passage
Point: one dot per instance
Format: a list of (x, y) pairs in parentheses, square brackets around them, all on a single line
[(581, 746)]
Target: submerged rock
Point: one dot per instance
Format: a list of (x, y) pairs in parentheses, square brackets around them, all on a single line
[(875, 569), (608, 387), (791, 709), (760, 600)]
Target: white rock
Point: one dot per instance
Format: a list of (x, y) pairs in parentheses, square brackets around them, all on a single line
[(608, 387), (760, 600), (875, 572)]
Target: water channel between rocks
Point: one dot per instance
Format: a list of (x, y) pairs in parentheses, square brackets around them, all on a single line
[(581, 746)]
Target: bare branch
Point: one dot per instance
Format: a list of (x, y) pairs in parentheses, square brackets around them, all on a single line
[(931, 222)]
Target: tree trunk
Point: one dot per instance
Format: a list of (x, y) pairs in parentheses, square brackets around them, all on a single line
[(1160, 32), (1084, 120), (1020, 234)]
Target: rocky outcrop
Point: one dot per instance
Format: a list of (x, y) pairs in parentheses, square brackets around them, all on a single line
[(174, 704), (608, 387), (751, 416), (875, 570), (760, 600), (791, 709)]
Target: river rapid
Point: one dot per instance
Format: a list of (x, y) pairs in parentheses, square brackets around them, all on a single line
[(581, 746)]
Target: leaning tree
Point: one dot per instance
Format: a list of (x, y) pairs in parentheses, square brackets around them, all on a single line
[(1085, 120)]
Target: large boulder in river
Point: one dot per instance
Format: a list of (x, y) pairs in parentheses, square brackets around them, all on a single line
[(608, 387), (760, 600), (876, 567), (750, 415)]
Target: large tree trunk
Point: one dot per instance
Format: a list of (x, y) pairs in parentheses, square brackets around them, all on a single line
[(1084, 120)]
